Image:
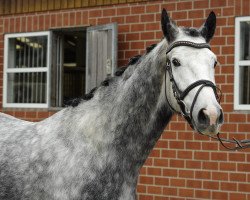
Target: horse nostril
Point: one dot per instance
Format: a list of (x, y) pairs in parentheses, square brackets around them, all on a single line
[(202, 117), (221, 118)]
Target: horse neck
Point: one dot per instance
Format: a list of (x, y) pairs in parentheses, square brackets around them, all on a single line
[(141, 113)]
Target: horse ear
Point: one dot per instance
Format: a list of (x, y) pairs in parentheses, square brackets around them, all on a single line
[(208, 28), (169, 28)]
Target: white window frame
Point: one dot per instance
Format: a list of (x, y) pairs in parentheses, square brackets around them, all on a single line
[(237, 63), (7, 70)]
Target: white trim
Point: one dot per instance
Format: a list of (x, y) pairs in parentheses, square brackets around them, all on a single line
[(237, 64), (27, 105), (49, 62), (25, 70)]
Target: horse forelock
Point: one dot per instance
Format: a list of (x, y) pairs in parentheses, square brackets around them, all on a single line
[(190, 31)]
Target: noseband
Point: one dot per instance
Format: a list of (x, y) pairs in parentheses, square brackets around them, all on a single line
[(180, 95)]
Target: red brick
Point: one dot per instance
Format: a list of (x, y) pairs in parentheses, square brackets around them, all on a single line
[(123, 28), (162, 181), (138, 9), (152, 8), (161, 162), (176, 144), (211, 185), (141, 188), (228, 11), (202, 194), (155, 153), (227, 31), (145, 197), (237, 196), (30, 114), (170, 172), (137, 27), (194, 183), (193, 164), (42, 115), (186, 173), (131, 53), (177, 182), (147, 35), (161, 144), (196, 14), (148, 162), (152, 26), (215, 3), (228, 166), (176, 163), (78, 18), (243, 167), (154, 171), (147, 18), (184, 5), (106, 20), (202, 174), (244, 187), (225, 186), (193, 145), (219, 156), (237, 157), (201, 4), (132, 19), (170, 191), (219, 195), (186, 192), (119, 20), (109, 12), (123, 11), (154, 190), (185, 154), (95, 13), (177, 126), (244, 127), (72, 18), (201, 155), (179, 15), (222, 176), (146, 180), (210, 165)]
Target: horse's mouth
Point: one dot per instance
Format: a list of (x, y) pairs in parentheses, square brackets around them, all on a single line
[(209, 130)]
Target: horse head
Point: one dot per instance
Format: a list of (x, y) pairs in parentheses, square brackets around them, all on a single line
[(190, 83)]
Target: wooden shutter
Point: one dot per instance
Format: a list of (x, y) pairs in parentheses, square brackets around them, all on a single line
[(101, 54)]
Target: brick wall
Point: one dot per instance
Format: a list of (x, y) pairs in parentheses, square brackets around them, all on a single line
[(183, 165)]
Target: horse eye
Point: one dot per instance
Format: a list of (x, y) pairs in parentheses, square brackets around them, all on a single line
[(176, 62), (215, 63)]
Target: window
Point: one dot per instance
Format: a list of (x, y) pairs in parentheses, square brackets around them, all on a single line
[(26, 67), (48, 69), (242, 64)]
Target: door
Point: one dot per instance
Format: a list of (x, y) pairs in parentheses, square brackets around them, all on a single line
[(101, 54)]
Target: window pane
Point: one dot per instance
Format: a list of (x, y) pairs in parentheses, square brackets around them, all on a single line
[(27, 52), (245, 42), (244, 85), (26, 87)]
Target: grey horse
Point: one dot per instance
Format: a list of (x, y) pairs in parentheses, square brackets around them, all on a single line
[(94, 149)]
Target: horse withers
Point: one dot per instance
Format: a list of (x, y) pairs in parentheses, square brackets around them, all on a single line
[(95, 148)]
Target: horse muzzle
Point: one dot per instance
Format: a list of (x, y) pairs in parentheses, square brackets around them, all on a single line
[(209, 120)]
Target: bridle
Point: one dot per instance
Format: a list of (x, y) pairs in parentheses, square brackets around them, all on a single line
[(180, 95)]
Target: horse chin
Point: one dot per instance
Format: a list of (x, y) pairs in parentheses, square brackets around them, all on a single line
[(211, 130)]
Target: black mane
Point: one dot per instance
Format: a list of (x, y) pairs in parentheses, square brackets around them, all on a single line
[(132, 61)]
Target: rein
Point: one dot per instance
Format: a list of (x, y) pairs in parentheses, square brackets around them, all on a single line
[(180, 95)]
